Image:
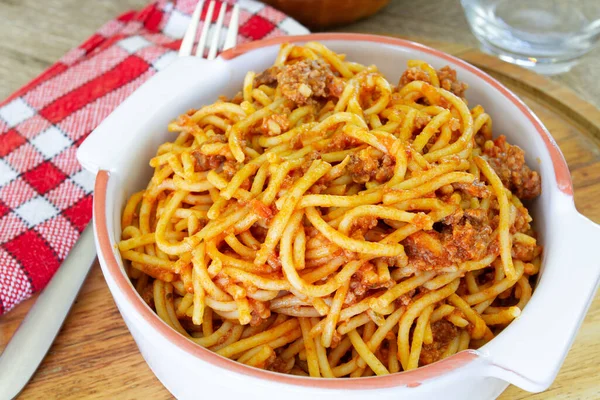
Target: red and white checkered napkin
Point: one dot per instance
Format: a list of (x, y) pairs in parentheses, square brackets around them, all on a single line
[(45, 196)]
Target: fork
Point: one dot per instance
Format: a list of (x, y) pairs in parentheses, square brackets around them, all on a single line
[(30, 343), (187, 43)]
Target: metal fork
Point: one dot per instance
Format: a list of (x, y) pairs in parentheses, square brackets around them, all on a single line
[(187, 43)]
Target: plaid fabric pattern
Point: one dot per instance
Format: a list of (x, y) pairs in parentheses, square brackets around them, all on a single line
[(45, 196)]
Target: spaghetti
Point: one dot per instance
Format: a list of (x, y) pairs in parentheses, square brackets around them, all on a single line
[(325, 222)]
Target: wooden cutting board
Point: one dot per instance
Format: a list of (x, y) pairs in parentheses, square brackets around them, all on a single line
[(94, 356)]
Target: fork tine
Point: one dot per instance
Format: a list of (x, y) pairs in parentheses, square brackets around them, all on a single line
[(204, 34), (212, 53), (233, 28), (190, 34)]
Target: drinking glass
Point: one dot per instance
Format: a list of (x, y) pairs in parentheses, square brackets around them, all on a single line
[(548, 36)]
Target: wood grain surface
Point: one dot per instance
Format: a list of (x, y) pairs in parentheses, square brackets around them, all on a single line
[(94, 355)]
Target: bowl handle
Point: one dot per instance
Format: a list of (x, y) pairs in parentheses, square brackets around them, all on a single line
[(112, 137), (535, 345)]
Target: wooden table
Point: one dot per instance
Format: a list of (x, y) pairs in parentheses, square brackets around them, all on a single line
[(94, 356)]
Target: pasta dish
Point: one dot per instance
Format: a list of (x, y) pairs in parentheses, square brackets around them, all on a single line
[(328, 223)]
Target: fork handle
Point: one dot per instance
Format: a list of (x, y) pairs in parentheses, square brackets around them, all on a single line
[(37, 332)]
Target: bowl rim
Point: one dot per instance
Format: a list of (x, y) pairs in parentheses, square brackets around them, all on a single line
[(411, 378)]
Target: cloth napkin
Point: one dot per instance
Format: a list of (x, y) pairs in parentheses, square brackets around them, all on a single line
[(45, 196)]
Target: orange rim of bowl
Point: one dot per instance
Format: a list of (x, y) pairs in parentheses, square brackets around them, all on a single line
[(411, 378)]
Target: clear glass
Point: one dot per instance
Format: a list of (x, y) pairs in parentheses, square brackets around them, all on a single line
[(548, 36)]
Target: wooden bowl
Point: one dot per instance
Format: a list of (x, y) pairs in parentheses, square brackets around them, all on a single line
[(321, 14)]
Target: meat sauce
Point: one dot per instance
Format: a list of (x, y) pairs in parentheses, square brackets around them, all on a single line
[(509, 163), (443, 333), (446, 75), (367, 166), (303, 82), (467, 239)]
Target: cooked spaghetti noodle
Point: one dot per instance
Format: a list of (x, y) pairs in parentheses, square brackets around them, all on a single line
[(325, 222)]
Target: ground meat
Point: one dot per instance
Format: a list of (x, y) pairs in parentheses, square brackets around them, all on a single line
[(413, 74), (352, 298), (357, 288), (274, 262), (406, 298), (465, 240), (443, 333), (449, 81), (320, 186), (229, 168), (477, 216), (363, 224), (509, 163), (260, 311), (268, 363), (425, 250), (398, 261), (206, 163), (279, 365), (303, 132), (258, 232), (275, 124), (335, 339), (261, 209), (366, 166), (365, 279), (521, 221), (474, 189), (267, 77), (147, 295), (340, 141), (421, 122), (524, 252), (452, 219), (376, 234), (306, 80)]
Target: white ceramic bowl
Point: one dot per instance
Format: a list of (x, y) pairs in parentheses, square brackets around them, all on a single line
[(528, 353)]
